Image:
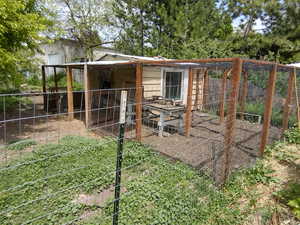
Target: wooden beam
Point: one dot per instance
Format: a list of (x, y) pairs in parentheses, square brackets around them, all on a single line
[(223, 95), (70, 93), (44, 87), (188, 113), (87, 96), (243, 98), (268, 109), (231, 115), (297, 97), (197, 89), (139, 99), (205, 89), (288, 101), (55, 79)]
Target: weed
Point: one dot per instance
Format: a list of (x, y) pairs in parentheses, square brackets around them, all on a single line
[(21, 145)]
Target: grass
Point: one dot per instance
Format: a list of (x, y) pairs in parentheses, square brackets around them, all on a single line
[(158, 191)]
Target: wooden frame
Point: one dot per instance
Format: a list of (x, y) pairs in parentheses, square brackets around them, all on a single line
[(188, 113), (243, 98), (139, 99), (223, 95), (70, 93), (231, 115), (268, 109), (288, 101)]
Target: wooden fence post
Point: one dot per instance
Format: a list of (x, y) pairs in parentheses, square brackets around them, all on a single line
[(188, 113), (138, 99), (205, 89), (231, 114), (70, 93), (223, 96), (44, 87), (268, 109), (288, 101), (244, 94), (87, 96), (197, 90), (55, 79)]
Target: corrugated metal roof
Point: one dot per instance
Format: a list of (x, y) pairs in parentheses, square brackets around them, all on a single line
[(295, 65), (156, 58)]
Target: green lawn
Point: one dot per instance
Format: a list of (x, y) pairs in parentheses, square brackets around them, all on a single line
[(158, 191)]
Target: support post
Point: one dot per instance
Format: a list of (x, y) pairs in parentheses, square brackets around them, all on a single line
[(205, 89), (297, 98), (231, 115), (138, 99), (223, 95), (268, 109), (188, 113), (244, 94), (70, 93), (197, 90), (119, 156), (87, 94), (288, 101), (55, 79), (44, 87)]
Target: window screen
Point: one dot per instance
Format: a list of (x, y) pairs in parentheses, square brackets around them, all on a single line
[(173, 81)]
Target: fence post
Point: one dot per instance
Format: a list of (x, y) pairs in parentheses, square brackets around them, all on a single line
[(268, 109), (188, 113), (286, 109), (231, 116), (244, 94), (44, 87), (87, 96), (138, 99), (205, 88), (119, 156), (70, 93), (223, 95)]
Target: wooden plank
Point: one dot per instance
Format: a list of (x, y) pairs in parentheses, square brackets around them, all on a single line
[(87, 96), (268, 109), (231, 115), (188, 113), (223, 96), (244, 94), (70, 93), (288, 101), (297, 97), (197, 90), (44, 87), (138, 99), (55, 79), (205, 89)]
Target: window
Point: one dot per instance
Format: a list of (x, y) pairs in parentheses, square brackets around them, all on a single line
[(173, 85)]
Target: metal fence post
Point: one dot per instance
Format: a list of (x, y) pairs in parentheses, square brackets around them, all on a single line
[(119, 156)]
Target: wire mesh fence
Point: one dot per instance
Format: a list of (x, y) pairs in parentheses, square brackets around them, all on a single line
[(62, 162)]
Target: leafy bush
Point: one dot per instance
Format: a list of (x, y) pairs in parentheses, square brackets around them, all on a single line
[(292, 135), (291, 197), (62, 82), (277, 114)]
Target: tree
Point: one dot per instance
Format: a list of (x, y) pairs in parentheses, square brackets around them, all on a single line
[(20, 31), (163, 27), (82, 20)]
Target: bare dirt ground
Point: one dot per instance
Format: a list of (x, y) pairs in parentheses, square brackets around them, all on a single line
[(206, 143)]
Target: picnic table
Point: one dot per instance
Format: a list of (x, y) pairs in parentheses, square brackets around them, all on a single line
[(167, 110)]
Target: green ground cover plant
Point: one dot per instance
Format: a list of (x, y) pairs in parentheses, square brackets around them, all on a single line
[(156, 190)]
